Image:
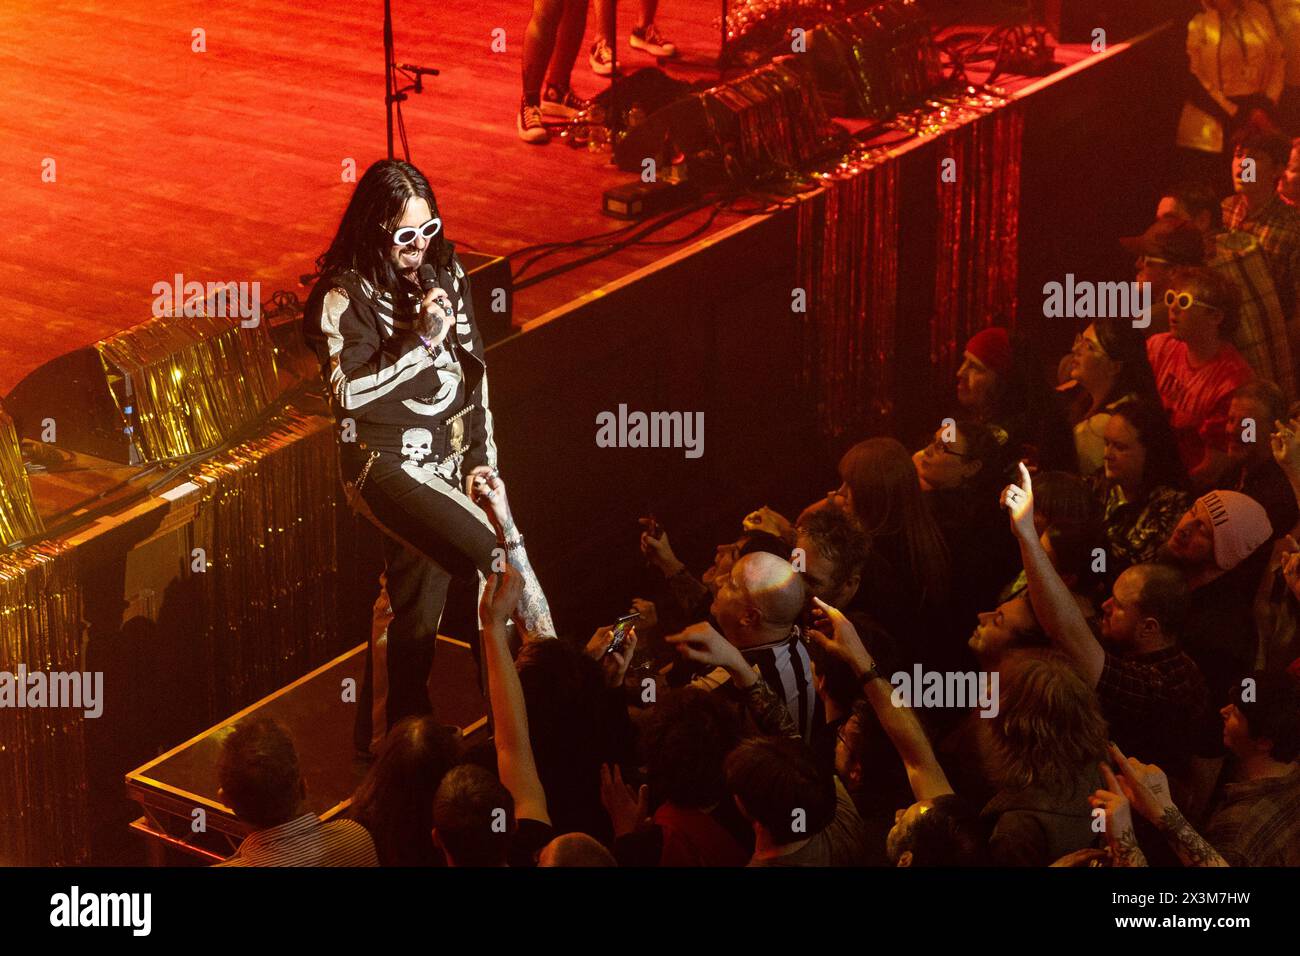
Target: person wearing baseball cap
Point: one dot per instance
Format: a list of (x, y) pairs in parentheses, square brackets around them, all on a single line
[(1218, 545), (1167, 242)]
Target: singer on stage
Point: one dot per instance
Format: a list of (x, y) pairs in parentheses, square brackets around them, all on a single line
[(392, 325)]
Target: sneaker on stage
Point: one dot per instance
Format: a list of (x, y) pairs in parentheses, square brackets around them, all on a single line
[(565, 105), (601, 58), (649, 38), (529, 124)]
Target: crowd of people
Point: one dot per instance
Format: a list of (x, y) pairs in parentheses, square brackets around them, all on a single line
[(1063, 632)]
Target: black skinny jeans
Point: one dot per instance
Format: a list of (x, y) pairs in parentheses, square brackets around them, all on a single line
[(432, 532)]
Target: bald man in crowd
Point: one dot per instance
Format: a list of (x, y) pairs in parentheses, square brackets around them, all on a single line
[(575, 849), (757, 607)]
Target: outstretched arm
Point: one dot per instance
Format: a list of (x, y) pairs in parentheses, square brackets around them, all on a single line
[(901, 726), (1053, 604), (534, 613), (515, 764)]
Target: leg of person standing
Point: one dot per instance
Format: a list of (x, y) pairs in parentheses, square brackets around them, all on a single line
[(539, 46), (558, 98), (417, 591), (644, 36)]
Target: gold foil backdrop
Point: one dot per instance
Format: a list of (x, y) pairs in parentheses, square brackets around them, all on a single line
[(193, 383), (18, 517), (43, 812), (264, 517)]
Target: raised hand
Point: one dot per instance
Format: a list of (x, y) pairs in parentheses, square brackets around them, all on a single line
[(1019, 502), (701, 644), (1285, 444), (616, 663), (1119, 821), (836, 636), (500, 597), (659, 552), (1145, 785), (627, 810)]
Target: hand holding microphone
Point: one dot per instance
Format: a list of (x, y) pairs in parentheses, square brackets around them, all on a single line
[(437, 314)]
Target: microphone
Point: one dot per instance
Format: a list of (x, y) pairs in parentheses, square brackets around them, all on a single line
[(428, 277)]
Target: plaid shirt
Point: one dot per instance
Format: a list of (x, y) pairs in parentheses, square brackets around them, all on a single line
[(1277, 227), (1158, 707), (1262, 337), (1258, 822)]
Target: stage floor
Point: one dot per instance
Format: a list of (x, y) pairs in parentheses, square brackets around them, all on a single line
[(226, 165)]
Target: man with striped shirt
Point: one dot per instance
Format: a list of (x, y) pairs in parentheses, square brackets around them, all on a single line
[(756, 607), (261, 782)]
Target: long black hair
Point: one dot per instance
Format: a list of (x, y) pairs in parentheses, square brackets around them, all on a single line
[(364, 236), (1124, 344), (1164, 466)]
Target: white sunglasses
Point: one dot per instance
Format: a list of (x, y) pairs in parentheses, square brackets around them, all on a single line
[(406, 235)]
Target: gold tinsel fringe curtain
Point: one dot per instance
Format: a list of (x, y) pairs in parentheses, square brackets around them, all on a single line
[(18, 515), (262, 614), (265, 519), (43, 813)]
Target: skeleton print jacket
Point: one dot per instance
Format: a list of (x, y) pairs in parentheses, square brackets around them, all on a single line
[(432, 410)]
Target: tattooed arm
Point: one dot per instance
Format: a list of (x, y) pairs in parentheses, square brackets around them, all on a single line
[(533, 616), (701, 644), (769, 712), (1147, 788), (1190, 846), (1118, 822)]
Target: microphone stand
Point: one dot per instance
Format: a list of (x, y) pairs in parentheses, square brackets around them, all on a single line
[(395, 95)]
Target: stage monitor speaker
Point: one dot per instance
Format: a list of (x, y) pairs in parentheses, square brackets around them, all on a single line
[(165, 389), (492, 290)]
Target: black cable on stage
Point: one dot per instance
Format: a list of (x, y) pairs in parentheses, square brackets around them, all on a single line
[(724, 204)]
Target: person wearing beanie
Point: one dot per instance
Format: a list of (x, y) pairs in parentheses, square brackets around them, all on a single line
[(998, 386), (985, 367), (1218, 545)]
